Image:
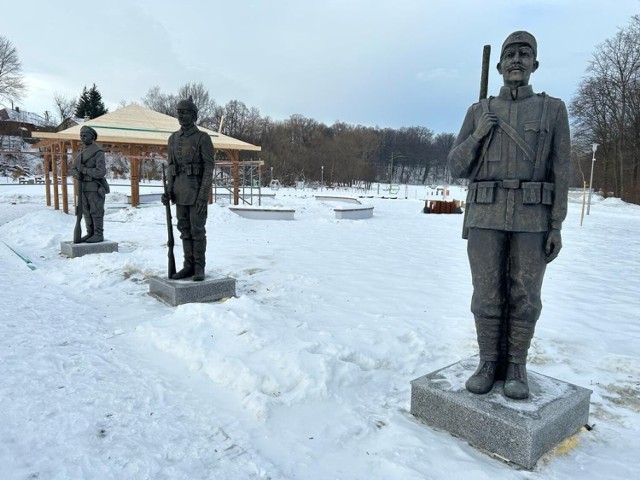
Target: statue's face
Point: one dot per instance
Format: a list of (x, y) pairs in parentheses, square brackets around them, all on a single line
[(517, 63), (86, 138), (185, 117)]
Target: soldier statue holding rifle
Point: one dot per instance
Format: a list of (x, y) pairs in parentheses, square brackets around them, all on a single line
[(89, 169), (514, 149), (190, 177)]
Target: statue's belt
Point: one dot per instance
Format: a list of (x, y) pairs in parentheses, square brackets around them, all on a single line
[(189, 169), (532, 192)]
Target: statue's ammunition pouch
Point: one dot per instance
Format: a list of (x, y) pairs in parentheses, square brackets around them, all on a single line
[(485, 192), (533, 193)]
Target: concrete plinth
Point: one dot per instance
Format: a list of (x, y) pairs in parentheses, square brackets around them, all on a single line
[(178, 292), (73, 250), (518, 431)]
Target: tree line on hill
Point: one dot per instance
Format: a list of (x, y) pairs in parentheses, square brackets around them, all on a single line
[(303, 149)]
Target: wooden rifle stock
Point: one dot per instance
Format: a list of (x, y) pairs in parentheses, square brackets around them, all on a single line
[(170, 240), (484, 76), (77, 230)]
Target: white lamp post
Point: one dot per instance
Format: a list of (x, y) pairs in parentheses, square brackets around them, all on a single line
[(594, 147), (322, 178)]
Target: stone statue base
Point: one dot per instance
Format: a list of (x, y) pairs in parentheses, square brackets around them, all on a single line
[(178, 292), (516, 431), (72, 250)]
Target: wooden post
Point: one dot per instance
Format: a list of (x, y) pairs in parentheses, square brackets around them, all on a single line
[(47, 170), (234, 154), (54, 173), (63, 176), (135, 178)]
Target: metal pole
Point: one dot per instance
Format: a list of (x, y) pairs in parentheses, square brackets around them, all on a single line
[(594, 147), (322, 178)]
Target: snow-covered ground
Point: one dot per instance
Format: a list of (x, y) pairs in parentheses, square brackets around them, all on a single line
[(305, 374)]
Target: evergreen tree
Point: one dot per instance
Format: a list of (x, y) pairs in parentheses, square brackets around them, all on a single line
[(90, 103)]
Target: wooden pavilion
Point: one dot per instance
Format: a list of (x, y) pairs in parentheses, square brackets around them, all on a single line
[(138, 134)]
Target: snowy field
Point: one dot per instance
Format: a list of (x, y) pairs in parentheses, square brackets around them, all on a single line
[(305, 374)]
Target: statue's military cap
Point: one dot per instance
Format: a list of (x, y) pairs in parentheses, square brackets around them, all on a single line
[(187, 105), (87, 128), (521, 37)]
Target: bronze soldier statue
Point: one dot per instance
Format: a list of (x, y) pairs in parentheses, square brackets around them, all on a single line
[(514, 149), (89, 168), (190, 177)]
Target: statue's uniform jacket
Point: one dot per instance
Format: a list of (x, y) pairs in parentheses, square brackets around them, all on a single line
[(190, 166), (539, 200), (514, 199), (92, 159)]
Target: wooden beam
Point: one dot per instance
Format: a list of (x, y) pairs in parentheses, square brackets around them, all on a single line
[(134, 162), (63, 176), (235, 157), (54, 172), (47, 169)]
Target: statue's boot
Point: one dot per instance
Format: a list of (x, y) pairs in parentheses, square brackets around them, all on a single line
[(187, 267), (521, 332), (88, 221), (199, 249), (482, 380), (98, 231), (516, 385), (488, 333)]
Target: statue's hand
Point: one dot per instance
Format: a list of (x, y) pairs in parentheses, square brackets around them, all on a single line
[(165, 199), (488, 120), (201, 207), (553, 244)]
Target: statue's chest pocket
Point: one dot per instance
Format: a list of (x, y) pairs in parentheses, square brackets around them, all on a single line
[(531, 131)]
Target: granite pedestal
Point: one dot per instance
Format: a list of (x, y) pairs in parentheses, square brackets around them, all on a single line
[(178, 292), (73, 250), (517, 431)]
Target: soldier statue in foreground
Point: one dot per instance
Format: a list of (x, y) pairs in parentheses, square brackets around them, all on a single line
[(514, 149), (89, 169), (189, 182)]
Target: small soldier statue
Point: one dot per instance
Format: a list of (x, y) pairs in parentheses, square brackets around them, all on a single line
[(89, 168)]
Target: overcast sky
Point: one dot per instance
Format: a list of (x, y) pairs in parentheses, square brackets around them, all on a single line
[(371, 62)]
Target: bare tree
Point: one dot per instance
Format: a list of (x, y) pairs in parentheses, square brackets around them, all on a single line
[(64, 106), (606, 110), (160, 102), (12, 85), (208, 110)]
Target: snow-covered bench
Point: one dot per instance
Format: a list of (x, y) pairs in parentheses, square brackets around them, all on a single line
[(264, 213), (147, 197), (354, 213), (336, 198)]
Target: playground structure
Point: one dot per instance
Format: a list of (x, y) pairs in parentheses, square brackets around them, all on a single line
[(241, 180)]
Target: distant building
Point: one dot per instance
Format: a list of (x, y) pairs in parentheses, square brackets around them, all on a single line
[(17, 123), (69, 122)]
